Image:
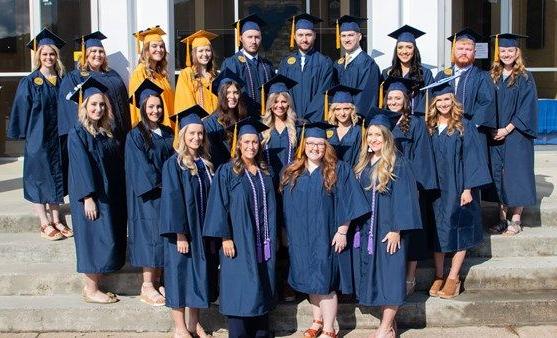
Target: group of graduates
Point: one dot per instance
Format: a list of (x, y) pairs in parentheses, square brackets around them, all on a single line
[(342, 176)]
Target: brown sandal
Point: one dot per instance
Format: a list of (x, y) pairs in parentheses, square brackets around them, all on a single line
[(64, 229), (436, 286), (312, 332), (451, 289), (50, 233), (330, 334)]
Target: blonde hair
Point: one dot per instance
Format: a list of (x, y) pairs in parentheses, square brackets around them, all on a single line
[(85, 67), (59, 67), (104, 125), (519, 68), (161, 66), (383, 171), (296, 168), (269, 119), (333, 118), (185, 160), (455, 117), (238, 165)]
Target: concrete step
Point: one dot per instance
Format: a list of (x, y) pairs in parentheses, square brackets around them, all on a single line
[(479, 274), (69, 313), (31, 248)]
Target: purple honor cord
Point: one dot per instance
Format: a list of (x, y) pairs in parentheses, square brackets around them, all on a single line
[(262, 251), (371, 234)]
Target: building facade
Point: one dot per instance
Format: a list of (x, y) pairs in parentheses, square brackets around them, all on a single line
[(118, 19)]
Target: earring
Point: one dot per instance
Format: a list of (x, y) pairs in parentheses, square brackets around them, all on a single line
[(369, 150)]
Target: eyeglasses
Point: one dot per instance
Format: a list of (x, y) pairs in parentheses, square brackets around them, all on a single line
[(314, 145)]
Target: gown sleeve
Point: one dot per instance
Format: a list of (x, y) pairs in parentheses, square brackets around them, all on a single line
[(484, 109), (21, 109), (67, 109), (173, 205), (185, 96), (325, 82), (423, 162), (139, 171), (216, 222), (404, 198), (476, 172), (351, 202), (81, 170), (525, 118)]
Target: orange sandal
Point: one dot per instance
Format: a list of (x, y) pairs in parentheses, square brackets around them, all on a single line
[(436, 286), (330, 334), (312, 332), (50, 233), (64, 229), (451, 289)]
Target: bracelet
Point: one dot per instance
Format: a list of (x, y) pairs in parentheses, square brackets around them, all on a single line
[(340, 233)]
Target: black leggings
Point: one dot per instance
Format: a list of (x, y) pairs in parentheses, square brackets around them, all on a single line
[(248, 327)]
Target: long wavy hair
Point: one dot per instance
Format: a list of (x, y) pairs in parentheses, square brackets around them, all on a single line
[(405, 118), (227, 116), (104, 125), (184, 158), (297, 167), (161, 67), (519, 68), (59, 67), (383, 171), (415, 71), (455, 117), (198, 68), (238, 165), (269, 119), (332, 116), (143, 125), (87, 67)]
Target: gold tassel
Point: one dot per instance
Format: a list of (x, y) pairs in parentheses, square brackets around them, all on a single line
[(302, 142), (82, 51), (292, 32), (234, 141), (453, 49), (496, 51), (137, 44), (363, 131), (326, 107), (381, 95), (80, 100), (238, 34), (34, 45), (133, 101), (176, 131), (426, 105), (337, 39), (188, 61), (262, 100)]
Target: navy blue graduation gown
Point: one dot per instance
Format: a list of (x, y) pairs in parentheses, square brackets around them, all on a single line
[(312, 217), (96, 169), (219, 146), (247, 288), (361, 73), (117, 94), (33, 118), (313, 81), (278, 153), (190, 278), (380, 278), (253, 72), (143, 192), (461, 164), (348, 148), (415, 146), (418, 100), (512, 160)]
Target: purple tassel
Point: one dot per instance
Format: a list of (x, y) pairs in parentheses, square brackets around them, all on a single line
[(267, 249), (357, 239), (370, 241)]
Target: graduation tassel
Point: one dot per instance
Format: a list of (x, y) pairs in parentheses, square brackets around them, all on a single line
[(326, 107), (426, 105), (137, 46), (234, 141), (176, 133), (292, 32), (238, 33), (337, 36), (80, 100), (300, 150), (453, 44), (262, 100), (363, 131), (496, 51), (82, 51), (34, 45), (188, 61), (381, 95)]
